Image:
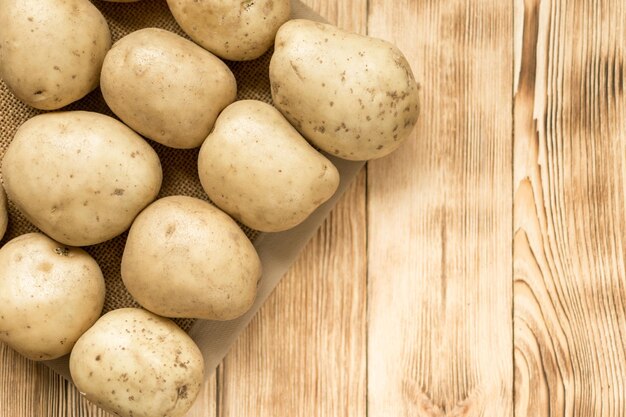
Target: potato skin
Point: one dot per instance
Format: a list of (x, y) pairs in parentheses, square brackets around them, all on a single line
[(166, 87), (87, 175), (352, 96), (257, 167), (137, 364), (50, 295), (51, 51), (186, 258), (232, 29)]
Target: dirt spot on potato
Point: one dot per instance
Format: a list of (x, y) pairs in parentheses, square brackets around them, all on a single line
[(63, 251), (275, 87), (182, 392), (44, 267), (118, 191), (296, 70)]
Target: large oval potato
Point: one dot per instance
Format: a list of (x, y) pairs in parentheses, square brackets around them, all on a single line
[(232, 29), (350, 95), (137, 364), (257, 168), (49, 296), (80, 177), (186, 258), (166, 87), (51, 51)]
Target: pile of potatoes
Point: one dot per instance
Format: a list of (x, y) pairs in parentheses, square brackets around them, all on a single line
[(83, 178)]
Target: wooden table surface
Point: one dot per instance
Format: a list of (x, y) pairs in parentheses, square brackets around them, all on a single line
[(479, 270)]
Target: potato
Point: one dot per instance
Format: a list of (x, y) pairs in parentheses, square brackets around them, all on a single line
[(239, 30), (257, 168), (136, 364), (166, 87), (186, 258), (80, 177), (4, 212), (50, 295), (51, 51), (350, 95)]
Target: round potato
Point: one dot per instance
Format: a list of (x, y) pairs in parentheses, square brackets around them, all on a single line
[(80, 177), (4, 212), (257, 168), (232, 29), (186, 258), (50, 295), (136, 364), (51, 51), (166, 87), (350, 95)]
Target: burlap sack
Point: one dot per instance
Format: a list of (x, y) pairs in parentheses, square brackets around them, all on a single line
[(276, 250)]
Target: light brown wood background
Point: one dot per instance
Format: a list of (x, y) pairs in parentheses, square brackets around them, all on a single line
[(478, 271)]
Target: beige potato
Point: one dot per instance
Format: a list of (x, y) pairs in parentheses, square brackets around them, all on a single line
[(136, 364), (257, 168), (80, 177), (350, 95), (166, 87), (50, 295), (4, 212), (51, 51), (186, 258), (232, 29)]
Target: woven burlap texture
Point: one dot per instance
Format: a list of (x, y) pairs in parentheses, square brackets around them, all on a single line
[(180, 175)]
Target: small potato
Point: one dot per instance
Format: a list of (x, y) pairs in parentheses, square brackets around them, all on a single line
[(257, 167), (4, 212), (350, 95), (80, 177), (186, 258), (50, 295), (238, 30), (136, 364), (166, 87), (51, 51)]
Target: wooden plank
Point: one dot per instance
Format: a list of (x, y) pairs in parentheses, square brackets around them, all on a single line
[(570, 208), (304, 352), (440, 217), (31, 389)]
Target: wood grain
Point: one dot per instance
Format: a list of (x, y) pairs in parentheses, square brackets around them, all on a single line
[(570, 200), (31, 389), (439, 219), (304, 352)]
